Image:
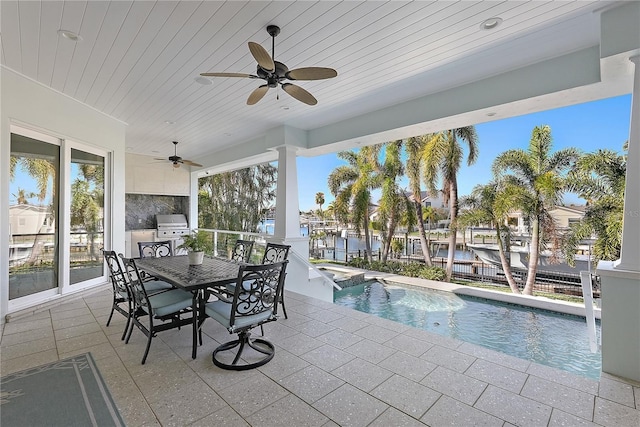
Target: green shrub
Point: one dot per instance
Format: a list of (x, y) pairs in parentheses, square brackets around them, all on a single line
[(358, 263), (433, 273), (412, 269)]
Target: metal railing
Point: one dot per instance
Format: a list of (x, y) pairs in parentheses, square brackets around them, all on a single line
[(224, 241), (589, 282), (32, 251), (324, 277), (546, 281)]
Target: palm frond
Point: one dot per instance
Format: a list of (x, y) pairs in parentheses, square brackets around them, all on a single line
[(470, 136), (515, 161)]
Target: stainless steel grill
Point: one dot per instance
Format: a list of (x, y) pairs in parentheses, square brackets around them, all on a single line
[(175, 225)]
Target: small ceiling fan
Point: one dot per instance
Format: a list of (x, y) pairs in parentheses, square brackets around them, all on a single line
[(275, 73), (177, 160)]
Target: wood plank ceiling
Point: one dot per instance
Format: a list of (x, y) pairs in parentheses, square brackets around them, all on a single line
[(138, 60)]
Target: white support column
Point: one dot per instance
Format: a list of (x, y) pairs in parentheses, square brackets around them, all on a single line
[(287, 228), (287, 223), (621, 279), (630, 251), (193, 203)]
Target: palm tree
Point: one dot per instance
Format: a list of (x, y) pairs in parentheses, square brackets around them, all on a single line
[(339, 212), (540, 173), (40, 169), (87, 201), (442, 156), (320, 201), (22, 196), (351, 185), (414, 147), (598, 177), (490, 204), (393, 202)]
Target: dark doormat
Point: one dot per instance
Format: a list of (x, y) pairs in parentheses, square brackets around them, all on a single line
[(69, 392)]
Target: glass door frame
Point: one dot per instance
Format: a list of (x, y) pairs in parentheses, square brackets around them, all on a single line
[(33, 299), (65, 183), (63, 223)]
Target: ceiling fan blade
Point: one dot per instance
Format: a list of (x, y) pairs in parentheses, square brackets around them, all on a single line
[(190, 163), (300, 94), (158, 158), (311, 73), (257, 94), (242, 75), (262, 57)]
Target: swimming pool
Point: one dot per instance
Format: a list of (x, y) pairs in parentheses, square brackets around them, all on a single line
[(541, 336)]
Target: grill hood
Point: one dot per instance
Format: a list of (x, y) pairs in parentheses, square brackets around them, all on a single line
[(172, 225)]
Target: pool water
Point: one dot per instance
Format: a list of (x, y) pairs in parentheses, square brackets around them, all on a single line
[(541, 336)]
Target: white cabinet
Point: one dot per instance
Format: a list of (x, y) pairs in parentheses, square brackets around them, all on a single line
[(145, 175), (131, 250)]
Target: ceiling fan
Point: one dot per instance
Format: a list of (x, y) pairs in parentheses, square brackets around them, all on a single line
[(177, 160), (275, 73)]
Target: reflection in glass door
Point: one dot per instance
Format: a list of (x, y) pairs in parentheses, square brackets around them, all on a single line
[(33, 212), (87, 216)]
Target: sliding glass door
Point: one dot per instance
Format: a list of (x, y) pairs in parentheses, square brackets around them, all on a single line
[(57, 208), (33, 212), (86, 216)]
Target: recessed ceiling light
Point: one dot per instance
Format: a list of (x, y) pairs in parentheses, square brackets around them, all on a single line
[(491, 23), (169, 122), (154, 151), (203, 80), (491, 114), (70, 35), (227, 134), (284, 107)]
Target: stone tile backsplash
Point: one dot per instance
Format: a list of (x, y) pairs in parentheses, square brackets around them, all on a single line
[(141, 209)]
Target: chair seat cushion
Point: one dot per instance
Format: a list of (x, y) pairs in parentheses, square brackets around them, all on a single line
[(231, 288), (156, 285), (221, 312), (170, 302)]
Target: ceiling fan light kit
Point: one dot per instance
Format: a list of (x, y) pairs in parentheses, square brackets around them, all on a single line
[(275, 73)]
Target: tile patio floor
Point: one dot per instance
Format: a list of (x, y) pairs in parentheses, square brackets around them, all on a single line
[(333, 366)]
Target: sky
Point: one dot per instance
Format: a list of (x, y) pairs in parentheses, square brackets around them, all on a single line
[(589, 127)]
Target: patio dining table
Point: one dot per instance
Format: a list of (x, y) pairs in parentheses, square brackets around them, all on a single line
[(214, 273)]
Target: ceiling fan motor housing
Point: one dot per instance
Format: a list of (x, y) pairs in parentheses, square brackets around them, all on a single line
[(273, 78), (273, 30)]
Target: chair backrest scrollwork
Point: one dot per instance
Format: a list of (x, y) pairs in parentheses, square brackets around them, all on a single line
[(242, 250), (155, 249), (256, 292), (275, 253)]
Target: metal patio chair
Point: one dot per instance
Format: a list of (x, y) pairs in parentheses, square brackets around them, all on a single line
[(163, 310), (273, 252), (242, 250), (122, 301), (254, 302), (155, 249)]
